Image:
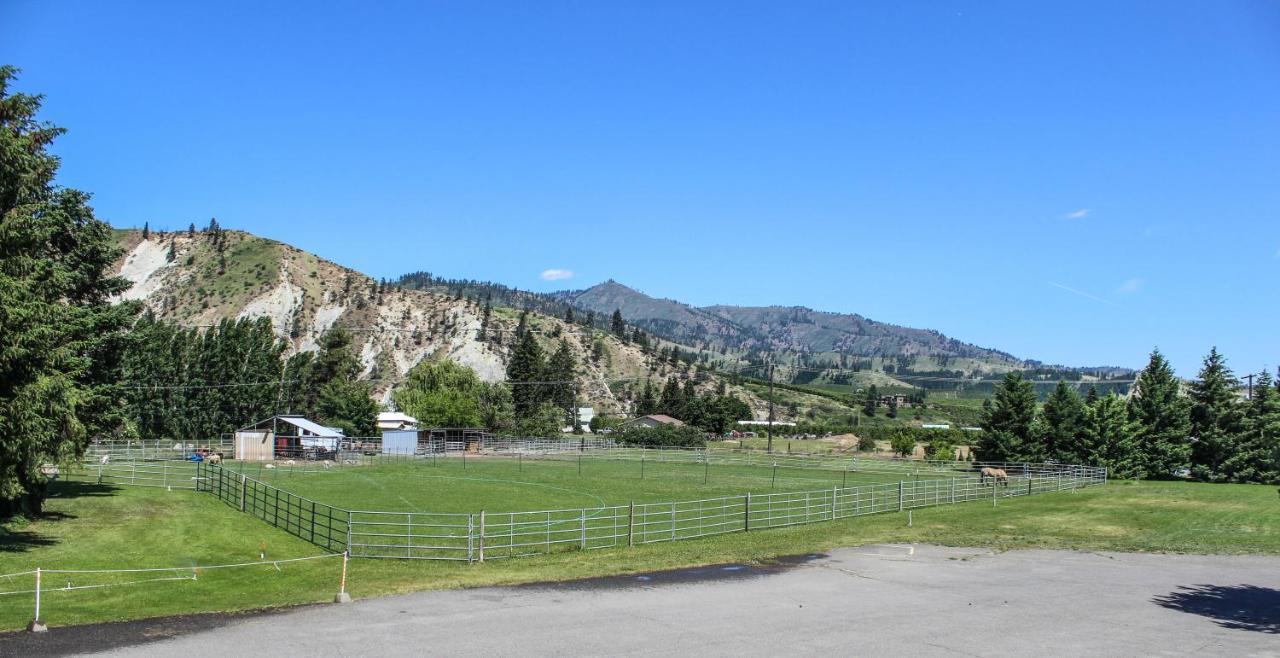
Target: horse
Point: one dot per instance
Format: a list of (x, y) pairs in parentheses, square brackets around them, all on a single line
[(996, 474)]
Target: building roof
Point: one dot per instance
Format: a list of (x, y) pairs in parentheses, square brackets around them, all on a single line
[(310, 427), (396, 417), (659, 418)]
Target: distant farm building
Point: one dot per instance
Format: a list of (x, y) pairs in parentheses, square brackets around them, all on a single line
[(765, 423), (897, 399), (291, 437), (654, 420), (394, 420), (585, 415)]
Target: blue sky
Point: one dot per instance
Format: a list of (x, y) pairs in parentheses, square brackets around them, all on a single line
[(1074, 182)]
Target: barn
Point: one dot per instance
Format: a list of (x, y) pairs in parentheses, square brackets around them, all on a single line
[(286, 437)]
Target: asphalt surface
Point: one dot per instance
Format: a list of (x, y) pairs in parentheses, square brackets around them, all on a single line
[(872, 600)]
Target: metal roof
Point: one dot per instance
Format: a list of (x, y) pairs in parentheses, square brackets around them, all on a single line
[(301, 423)]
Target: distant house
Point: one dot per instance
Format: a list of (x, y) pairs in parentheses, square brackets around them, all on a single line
[(936, 426), (394, 420), (654, 420), (284, 437), (898, 399)]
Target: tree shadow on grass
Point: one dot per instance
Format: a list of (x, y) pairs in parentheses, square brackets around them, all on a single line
[(1240, 607), (17, 535), (78, 489)]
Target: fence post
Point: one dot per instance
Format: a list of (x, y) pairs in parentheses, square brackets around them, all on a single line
[(900, 495), (348, 531), (342, 596), (481, 536), (995, 486), (582, 521), (953, 491), (1030, 478), (471, 518), (631, 524), (834, 491), (99, 472), (244, 485), (746, 514), (36, 625)]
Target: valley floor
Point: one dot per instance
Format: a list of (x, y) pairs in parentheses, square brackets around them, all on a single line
[(97, 527)]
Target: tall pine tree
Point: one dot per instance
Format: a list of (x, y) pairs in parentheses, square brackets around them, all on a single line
[(59, 333), (1164, 421), (1216, 416), (1060, 433), (1007, 421), (1255, 457)]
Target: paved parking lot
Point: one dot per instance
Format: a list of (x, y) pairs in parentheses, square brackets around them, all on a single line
[(872, 600)]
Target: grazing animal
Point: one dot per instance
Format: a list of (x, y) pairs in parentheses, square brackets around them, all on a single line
[(996, 474), (105, 460), (213, 458), (269, 466)]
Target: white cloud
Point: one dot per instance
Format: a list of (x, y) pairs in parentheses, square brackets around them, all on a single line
[(1131, 286), (556, 275), (1079, 214)]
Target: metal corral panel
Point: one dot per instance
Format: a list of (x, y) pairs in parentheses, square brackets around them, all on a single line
[(399, 442), (255, 445)]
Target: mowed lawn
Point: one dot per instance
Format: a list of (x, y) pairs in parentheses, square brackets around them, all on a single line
[(505, 484), (88, 526)]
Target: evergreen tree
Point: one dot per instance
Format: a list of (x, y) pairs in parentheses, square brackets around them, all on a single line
[(59, 333), (648, 403), (893, 407), (568, 314), (671, 402), (1164, 421), (172, 254), (1216, 416), (1109, 438), (619, 327), (1007, 420), (191, 230), (870, 402), (1256, 454), (561, 370), (1092, 398), (1060, 434), (527, 367), (146, 231)]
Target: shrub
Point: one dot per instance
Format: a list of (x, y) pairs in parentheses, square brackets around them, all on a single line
[(666, 436), (866, 443), (903, 444)]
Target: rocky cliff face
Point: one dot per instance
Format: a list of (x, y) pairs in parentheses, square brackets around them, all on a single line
[(186, 279)]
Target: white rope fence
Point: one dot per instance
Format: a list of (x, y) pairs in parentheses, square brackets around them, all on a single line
[(187, 573)]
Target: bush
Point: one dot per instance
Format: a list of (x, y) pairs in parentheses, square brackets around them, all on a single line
[(903, 444), (866, 443), (941, 449), (666, 436)]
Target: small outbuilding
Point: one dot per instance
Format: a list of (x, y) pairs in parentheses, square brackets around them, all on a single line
[(286, 437), (654, 420), (395, 420)]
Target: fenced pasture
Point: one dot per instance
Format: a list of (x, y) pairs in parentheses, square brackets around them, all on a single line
[(491, 506)]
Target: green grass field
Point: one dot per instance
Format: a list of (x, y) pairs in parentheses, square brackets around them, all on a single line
[(504, 484), (90, 526)]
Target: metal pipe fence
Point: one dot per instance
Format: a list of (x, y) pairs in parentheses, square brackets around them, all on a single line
[(494, 535), (169, 474)]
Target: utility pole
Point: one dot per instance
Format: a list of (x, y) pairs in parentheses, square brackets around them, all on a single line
[(1250, 378), (769, 370)]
